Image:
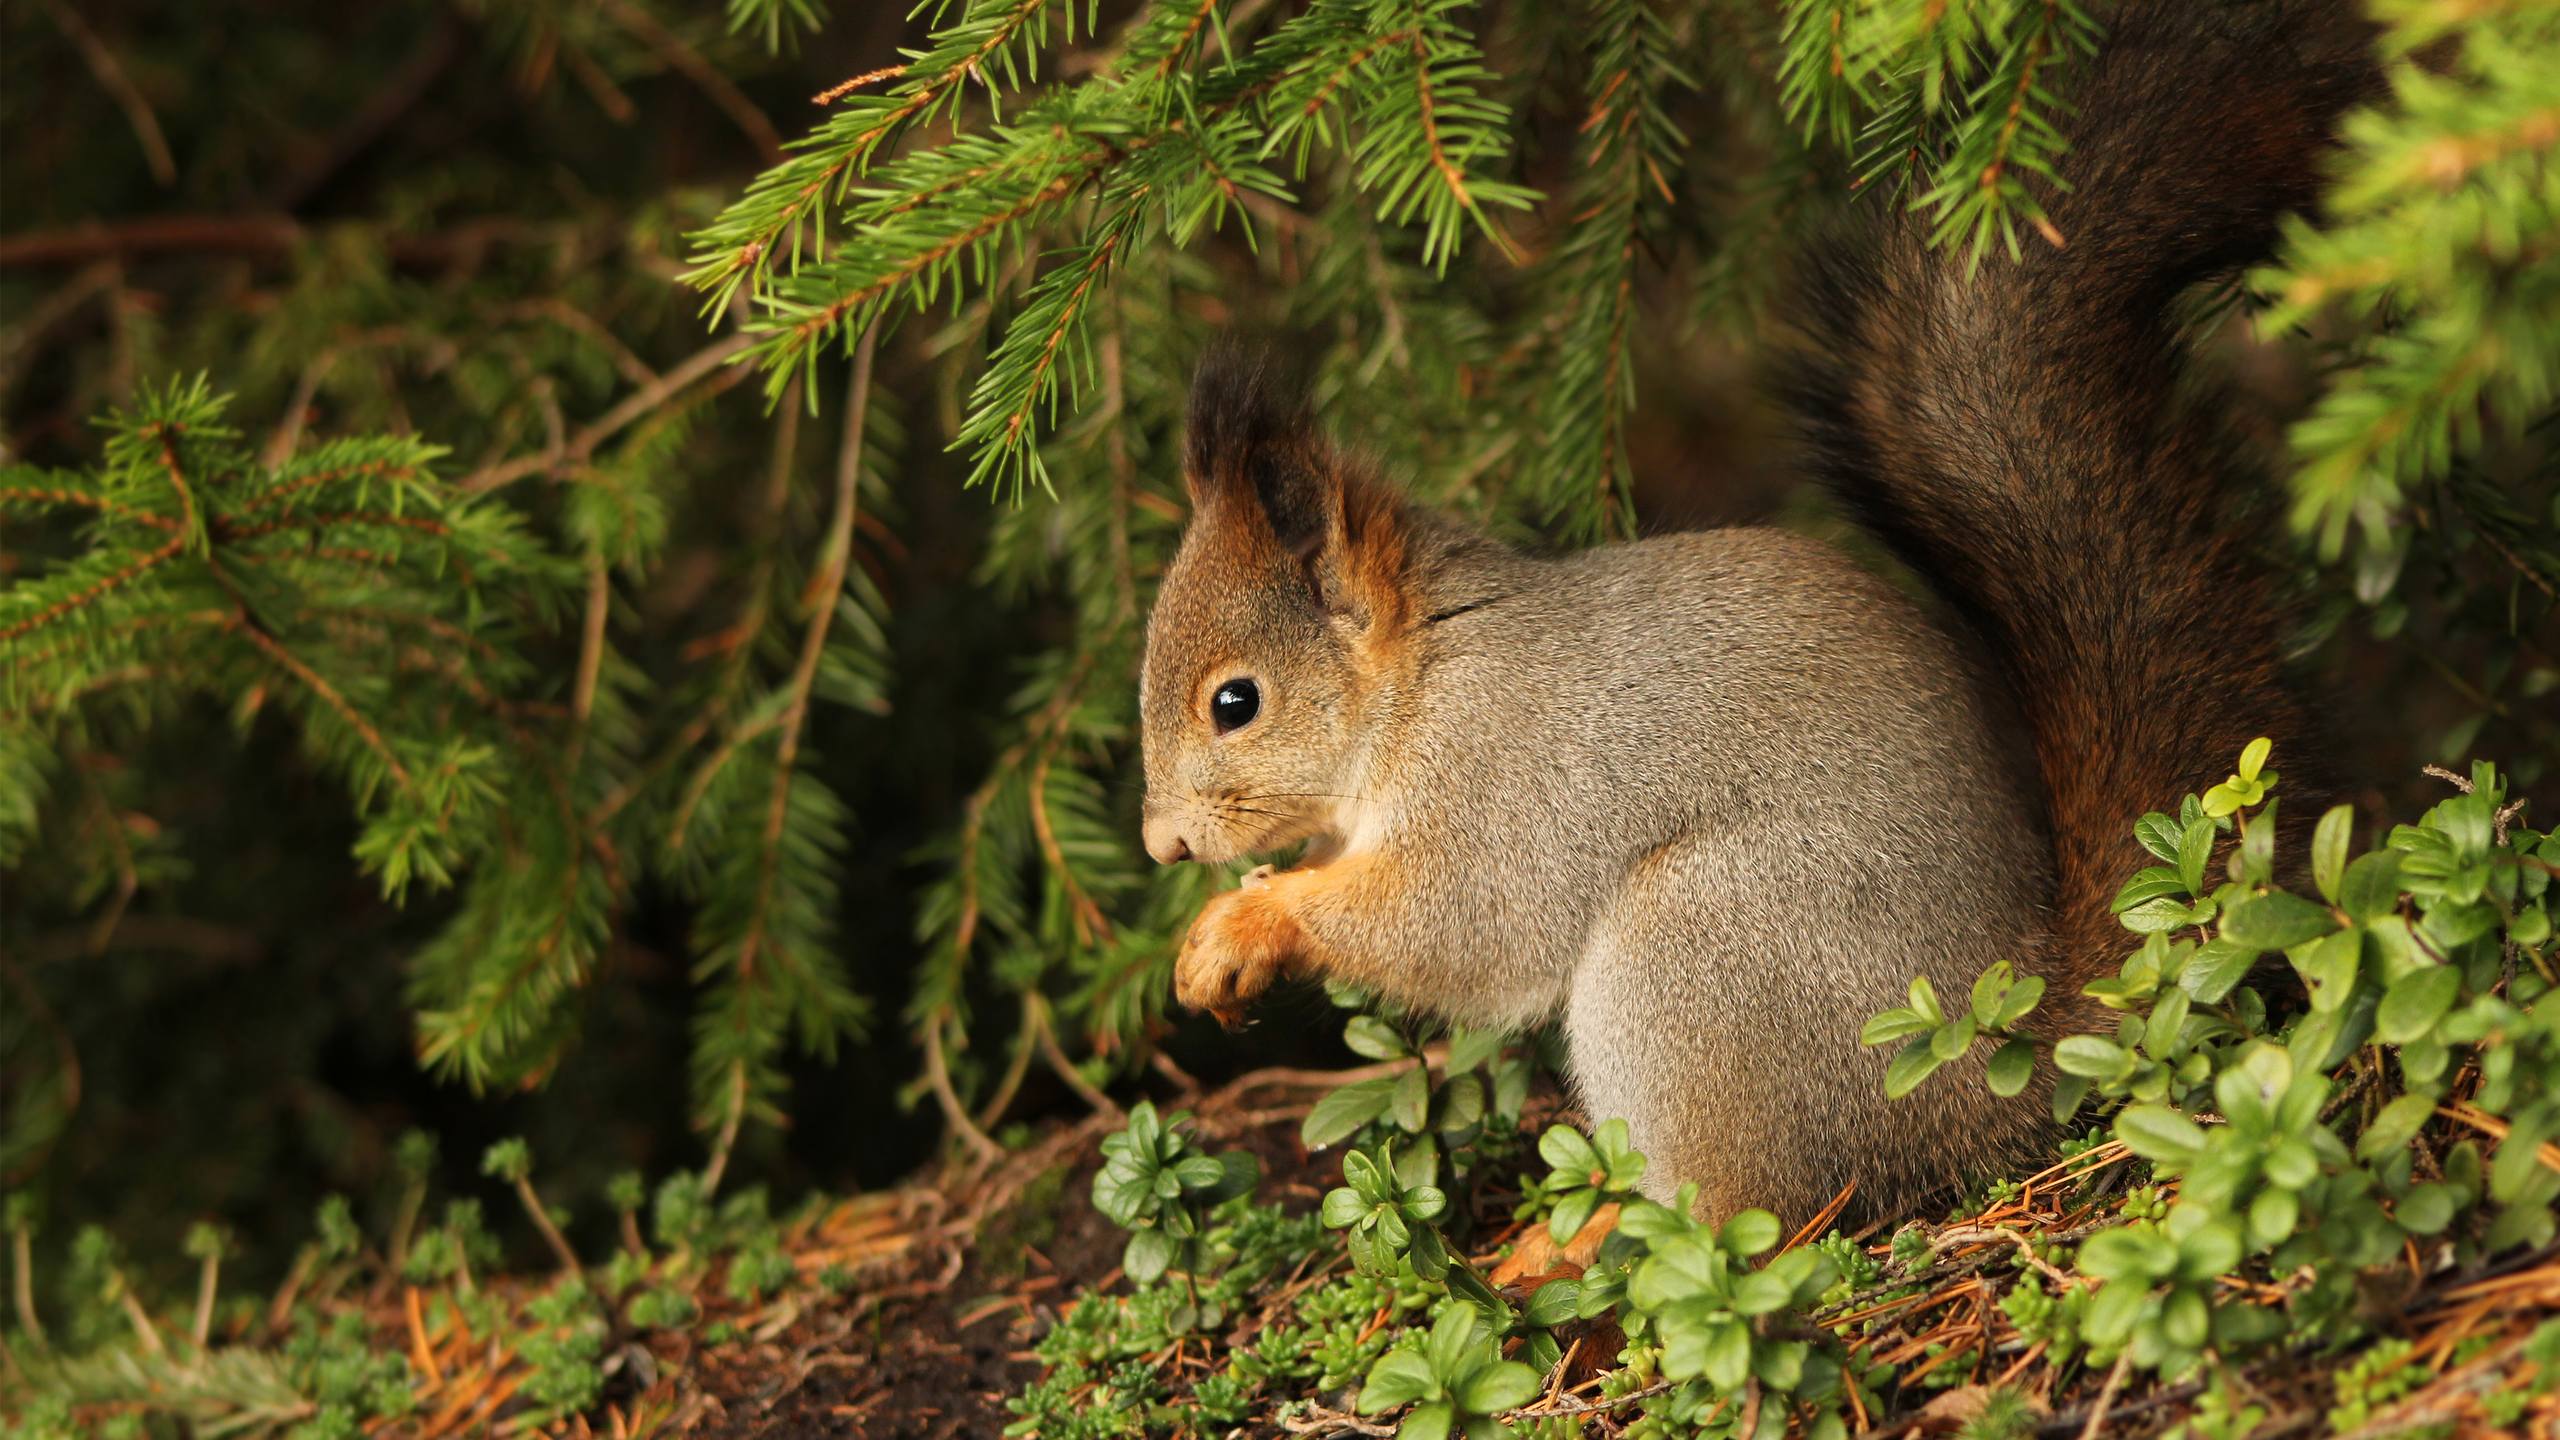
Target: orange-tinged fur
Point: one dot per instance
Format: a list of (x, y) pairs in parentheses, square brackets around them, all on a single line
[(1246, 939)]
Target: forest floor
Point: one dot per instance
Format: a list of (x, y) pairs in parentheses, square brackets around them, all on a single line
[(914, 1313), (966, 1273)]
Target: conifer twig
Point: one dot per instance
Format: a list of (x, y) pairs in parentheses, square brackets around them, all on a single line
[(119, 86), (22, 1284), (732, 1117), (208, 1286), (543, 1222), (938, 1078), (928, 93), (1045, 1035), (688, 62), (614, 421)]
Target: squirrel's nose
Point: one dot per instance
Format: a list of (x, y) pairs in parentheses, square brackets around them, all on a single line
[(1164, 842)]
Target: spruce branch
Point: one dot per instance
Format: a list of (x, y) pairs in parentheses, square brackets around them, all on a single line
[(765, 938), (785, 208), (1629, 147)]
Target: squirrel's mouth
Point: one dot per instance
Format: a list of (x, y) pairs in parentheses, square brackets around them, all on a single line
[(1241, 826)]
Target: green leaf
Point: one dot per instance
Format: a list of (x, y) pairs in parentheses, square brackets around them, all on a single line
[(1953, 1038), (1343, 1208), (2394, 1126), (2155, 883), (1343, 1111), (1375, 1038), (1618, 1153), (1409, 1102), (1452, 1335), (1399, 1378), (1363, 1174), (1780, 1364), (2328, 967), (2195, 847), (1503, 1385), (1554, 1303), (1749, 1233), (2159, 834), (2160, 1134), (2162, 1034), (2415, 1002), (2021, 1001), (2427, 1209), (2091, 1056), (1124, 1193), (2069, 1091), (2158, 916), (2184, 1320), (2370, 889), (2273, 1216), (1147, 1255), (1564, 1148), (1418, 1164), (1238, 1172), (1571, 1214), (2230, 799), (1892, 1025), (2258, 847), (1427, 1422), (1144, 1128), (2209, 1251), (2276, 920), (1429, 1257), (2216, 969), (1924, 998), (2253, 757), (2292, 1163), (2329, 841), (1472, 1049), (2114, 1309), (1461, 1103), (2128, 1252), (1912, 1064), (1726, 1360), (1198, 1172), (2012, 1066), (1988, 987), (1757, 1292)]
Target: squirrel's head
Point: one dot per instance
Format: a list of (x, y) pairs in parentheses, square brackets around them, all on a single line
[(1277, 635)]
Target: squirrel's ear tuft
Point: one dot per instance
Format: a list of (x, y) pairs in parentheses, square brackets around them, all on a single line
[(1253, 441), (1260, 470)]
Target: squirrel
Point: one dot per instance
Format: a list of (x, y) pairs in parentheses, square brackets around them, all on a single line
[(1710, 800)]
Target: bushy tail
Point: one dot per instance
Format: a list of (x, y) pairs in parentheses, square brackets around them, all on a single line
[(2025, 438)]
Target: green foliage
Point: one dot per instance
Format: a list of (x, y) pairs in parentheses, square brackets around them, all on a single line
[(2445, 195), (1155, 1185), (1467, 1110), (1954, 102), (2426, 968), (1455, 1380), (290, 581), (1584, 1173), (2001, 998), (1388, 1219)]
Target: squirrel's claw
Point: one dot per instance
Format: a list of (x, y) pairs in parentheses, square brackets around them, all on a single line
[(1236, 949)]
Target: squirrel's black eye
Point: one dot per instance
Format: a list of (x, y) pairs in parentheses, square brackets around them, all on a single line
[(1235, 705)]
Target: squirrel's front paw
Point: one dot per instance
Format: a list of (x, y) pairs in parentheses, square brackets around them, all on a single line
[(1240, 943)]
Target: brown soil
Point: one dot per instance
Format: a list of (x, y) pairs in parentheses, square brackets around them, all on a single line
[(931, 1348)]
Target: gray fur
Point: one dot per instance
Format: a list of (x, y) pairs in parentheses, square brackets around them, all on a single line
[(1711, 799)]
